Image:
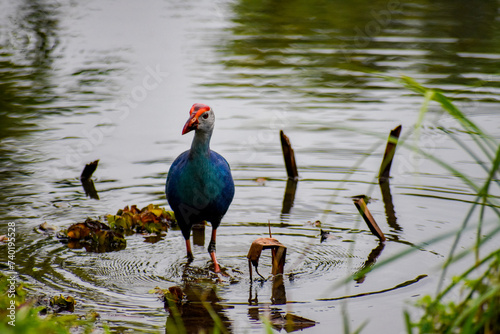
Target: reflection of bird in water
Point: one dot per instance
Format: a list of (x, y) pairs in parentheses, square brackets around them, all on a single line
[(188, 309), (199, 183)]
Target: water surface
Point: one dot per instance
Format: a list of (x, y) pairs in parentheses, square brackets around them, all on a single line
[(115, 80)]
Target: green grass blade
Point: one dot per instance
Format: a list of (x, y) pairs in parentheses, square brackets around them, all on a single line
[(473, 308), (470, 152), (345, 319), (475, 132), (384, 262), (408, 324), (428, 96), (465, 274)]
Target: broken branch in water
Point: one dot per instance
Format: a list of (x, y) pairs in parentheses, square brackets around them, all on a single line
[(88, 170), (367, 216), (390, 149), (87, 183), (289, 156)]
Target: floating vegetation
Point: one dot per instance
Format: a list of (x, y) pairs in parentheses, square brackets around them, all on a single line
[(98, 237), (150, 219), (95, 237), (21, 313), (62, 304), (478, 309)]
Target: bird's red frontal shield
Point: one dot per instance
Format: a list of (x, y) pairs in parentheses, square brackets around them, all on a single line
[(196, 111)]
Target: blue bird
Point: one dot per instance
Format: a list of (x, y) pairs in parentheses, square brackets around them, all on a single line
[(199, 183)]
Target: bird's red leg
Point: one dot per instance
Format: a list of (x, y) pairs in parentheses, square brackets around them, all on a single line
[(189, 251), (211, 250)]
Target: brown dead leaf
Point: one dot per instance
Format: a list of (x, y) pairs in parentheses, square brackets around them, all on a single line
[(148, 217), (78, 231), (84, 230), (134, 209), (278, 252)]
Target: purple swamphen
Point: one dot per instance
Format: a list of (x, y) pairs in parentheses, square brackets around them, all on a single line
[(199, 183)]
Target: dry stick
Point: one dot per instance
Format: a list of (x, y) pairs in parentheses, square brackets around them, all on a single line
[(390, 149), (289, 156), (367, 216), (87, 183), (88, 170), (278, 258)]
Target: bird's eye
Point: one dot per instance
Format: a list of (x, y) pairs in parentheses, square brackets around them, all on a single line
[(205, 115)]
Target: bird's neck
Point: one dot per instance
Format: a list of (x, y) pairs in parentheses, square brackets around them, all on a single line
[(201, 144)]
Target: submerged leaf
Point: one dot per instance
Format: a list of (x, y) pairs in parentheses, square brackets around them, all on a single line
[(134, 209)]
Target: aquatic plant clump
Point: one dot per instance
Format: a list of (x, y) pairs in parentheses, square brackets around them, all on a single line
[(477, 312), (150, 219)]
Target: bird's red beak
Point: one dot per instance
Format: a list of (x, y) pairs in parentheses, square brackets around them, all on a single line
[(196, 111), (191, 124)]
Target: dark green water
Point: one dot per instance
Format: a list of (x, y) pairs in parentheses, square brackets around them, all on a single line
[(115, 80)]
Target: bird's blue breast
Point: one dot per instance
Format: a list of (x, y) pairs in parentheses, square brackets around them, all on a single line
[(200, 188)]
